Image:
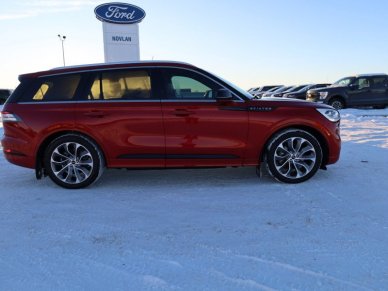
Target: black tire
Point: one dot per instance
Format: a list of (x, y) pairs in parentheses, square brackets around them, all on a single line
[(337, 103), (73, 161), (293, 156)]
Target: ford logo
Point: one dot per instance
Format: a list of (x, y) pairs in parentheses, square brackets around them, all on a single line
[(119, 13)]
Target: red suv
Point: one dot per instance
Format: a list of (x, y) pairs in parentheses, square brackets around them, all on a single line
[(71, 123)]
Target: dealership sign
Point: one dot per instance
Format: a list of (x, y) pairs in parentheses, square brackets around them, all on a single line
[(119, 13)]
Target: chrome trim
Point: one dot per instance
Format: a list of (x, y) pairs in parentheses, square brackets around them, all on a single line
[(187, 101), (142, 67), (118, 101), (124, 101), (45, 102)]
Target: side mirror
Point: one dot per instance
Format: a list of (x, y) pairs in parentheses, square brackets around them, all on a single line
[(224, 94), (353, 86)]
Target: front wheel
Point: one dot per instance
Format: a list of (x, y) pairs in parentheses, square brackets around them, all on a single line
[(293, 156), (337, 103), (73, 161)]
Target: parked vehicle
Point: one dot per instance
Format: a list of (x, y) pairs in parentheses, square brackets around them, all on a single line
[(278, 90), (4, 94), (301, 94), (360, 90), (70, 123), (258, 90), (260, 94), (292, 89)]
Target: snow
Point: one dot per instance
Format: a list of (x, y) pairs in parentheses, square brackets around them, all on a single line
[(215, 229)]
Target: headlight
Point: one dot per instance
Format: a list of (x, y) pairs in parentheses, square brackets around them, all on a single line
[(323, 95), (331, 114)]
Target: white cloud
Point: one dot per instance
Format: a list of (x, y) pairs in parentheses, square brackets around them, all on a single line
[(26, 9), (61, 3), (16, 15)]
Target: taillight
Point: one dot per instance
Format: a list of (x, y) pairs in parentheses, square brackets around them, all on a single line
[(9, 117)]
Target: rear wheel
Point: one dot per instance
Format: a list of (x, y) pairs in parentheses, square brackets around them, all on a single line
[(293, 156), (337, 103), (73, 161)]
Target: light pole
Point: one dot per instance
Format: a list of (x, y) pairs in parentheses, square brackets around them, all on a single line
[(62, 39)]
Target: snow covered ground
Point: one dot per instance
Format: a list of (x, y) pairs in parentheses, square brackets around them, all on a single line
[(221, 229)]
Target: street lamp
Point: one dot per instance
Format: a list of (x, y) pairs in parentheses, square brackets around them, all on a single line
[(62, 39)]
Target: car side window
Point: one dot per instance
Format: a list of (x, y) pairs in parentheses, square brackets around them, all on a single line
[(182, 85), (58, 88), (362, 83), (378, 82), (3, 94), (121, 85)]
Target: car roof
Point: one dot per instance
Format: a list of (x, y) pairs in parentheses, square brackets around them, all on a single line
[(106, 66), (369, 75)]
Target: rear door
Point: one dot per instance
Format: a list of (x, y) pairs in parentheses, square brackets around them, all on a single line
[(201, 131), (47, 105), (121, 109), (378, 94)]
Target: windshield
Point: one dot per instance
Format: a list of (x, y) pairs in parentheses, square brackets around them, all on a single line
[(280, 89), (295, 88), (299, 88), (304, 89), (272, 90), (343, 82)]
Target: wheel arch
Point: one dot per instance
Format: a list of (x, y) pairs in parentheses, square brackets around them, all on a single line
[(39, 166), (339, 97), (314, 132)]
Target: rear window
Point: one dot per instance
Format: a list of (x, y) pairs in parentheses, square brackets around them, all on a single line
[(4, 93), (378, 82), (58, 88)]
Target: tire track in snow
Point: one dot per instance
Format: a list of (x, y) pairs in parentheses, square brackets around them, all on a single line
[(243, 282), (289, 267), (302, 271)]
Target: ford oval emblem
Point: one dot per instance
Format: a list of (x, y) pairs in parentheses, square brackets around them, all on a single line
[(119, 13)]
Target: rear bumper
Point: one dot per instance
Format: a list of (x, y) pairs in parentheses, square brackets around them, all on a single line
[(17, 152)]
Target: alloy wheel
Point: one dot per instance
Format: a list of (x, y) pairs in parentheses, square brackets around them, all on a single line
[(71, 162), (295, 158)]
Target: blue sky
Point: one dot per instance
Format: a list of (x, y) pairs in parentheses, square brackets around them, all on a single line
[(249, 42)]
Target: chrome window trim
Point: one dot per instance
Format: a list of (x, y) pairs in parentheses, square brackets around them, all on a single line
[(46, 102), (148, 67), (91, 101), (121, 101), (185, 101)]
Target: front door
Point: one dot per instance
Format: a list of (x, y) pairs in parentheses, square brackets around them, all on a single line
[(360, 92), (199, 130)]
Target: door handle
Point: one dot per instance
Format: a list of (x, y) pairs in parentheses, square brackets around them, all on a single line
[(182, 112), (95, 114)]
